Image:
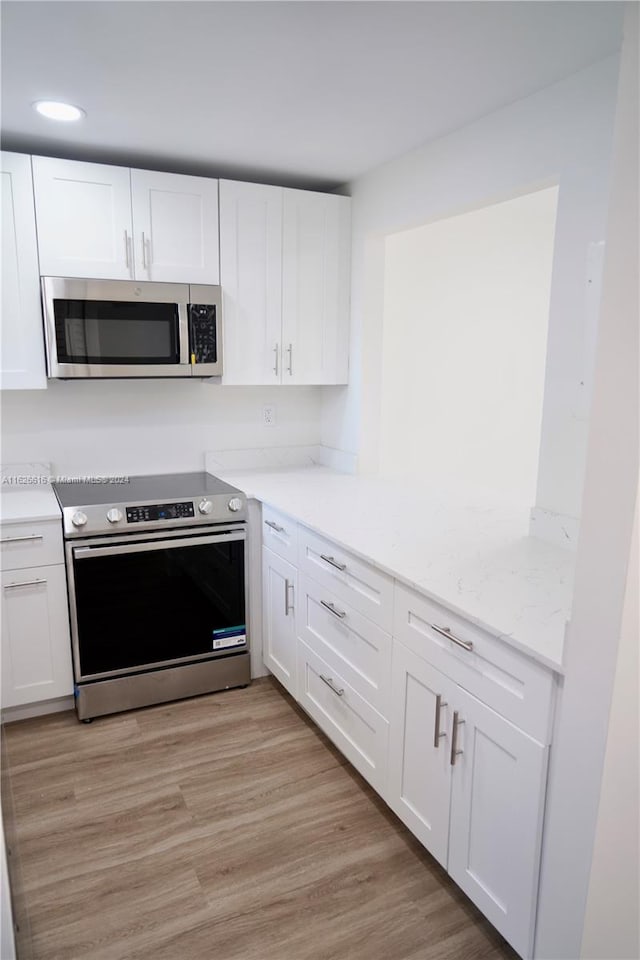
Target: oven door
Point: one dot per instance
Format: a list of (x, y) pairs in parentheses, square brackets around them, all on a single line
[(115, 328), (145, 603)]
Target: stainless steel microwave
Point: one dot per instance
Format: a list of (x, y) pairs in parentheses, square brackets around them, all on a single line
[(122, 329)]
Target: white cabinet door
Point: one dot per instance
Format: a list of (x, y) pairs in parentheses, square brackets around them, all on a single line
[(22, 363), (497, 800), (316, 241), (279, 622), (251, 277), (175, 223), (83, 212), (36, 650), (419, 777)]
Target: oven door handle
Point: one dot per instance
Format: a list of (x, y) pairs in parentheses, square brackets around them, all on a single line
[(84, 553)]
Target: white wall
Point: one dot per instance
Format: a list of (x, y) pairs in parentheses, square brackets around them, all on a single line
[(611, 930), (466, 311), (602, 562), (560, 135), (152, 426)]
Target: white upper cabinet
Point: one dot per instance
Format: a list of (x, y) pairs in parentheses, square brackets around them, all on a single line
[(316, 246), (22, 363), (251, 277), (113, 223), (84, 219), (175, 224), (284, 266)]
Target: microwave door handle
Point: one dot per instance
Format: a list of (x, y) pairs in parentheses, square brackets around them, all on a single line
[(183, 333)]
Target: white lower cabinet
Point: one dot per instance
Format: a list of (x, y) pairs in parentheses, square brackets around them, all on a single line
[(36, 651), (279, 624), (471, 787), (447, 723), (356, 728), (419, 778), (356, 646), (497, 803)]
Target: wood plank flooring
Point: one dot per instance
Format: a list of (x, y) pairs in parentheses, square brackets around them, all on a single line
[(220, 828)]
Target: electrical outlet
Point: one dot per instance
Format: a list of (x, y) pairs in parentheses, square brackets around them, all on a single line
[(269, 416)]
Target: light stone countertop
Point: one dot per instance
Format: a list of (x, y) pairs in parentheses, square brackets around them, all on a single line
[(28, 504), (476, 559)]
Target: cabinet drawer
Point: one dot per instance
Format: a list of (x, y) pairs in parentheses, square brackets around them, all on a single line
[(280, 534), (358, 730), (352, 580), (30, 544), (346, 640), (516, 687)]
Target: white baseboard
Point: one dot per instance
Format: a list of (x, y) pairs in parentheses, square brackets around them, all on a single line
[(41, 709), (558, 528)]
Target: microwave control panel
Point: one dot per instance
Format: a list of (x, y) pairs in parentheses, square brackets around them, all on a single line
[(202, 333), (162, 511)]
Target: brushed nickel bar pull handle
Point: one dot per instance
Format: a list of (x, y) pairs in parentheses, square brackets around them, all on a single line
[(454, 738), (23, 583), (147, 243), (446, 632), (275, 366), (274, 526), (286, 598), (144, 252), (291, 606), (329, 683), (333, 562), (437, 735), (290, 352), (33, 536), (334, 610), (127, 250)]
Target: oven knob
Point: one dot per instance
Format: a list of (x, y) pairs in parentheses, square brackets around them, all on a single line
[(235, 504), (114, 516), (79, 519), (205, 506)]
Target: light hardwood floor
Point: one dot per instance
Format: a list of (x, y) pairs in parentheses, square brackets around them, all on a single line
[(220, 828)]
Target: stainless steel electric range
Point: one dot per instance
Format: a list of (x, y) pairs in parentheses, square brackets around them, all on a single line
[(157, 589)]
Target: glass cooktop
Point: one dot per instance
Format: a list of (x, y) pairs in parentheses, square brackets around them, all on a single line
[(154, 488)]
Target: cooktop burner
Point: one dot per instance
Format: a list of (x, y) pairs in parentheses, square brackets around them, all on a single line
[(141, 503)]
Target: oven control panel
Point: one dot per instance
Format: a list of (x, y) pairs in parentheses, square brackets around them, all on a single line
[(141, 517), (161, 511)]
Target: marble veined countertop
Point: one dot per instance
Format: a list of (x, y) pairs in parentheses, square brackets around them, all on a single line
[(28, 504), (475, 558)]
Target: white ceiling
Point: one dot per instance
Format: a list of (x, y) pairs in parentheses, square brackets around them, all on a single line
[(304, 93)]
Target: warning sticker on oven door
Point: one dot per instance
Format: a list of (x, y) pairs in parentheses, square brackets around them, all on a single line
[(230, 637)]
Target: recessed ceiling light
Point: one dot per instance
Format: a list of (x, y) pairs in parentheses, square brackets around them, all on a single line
[(55, 110)]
